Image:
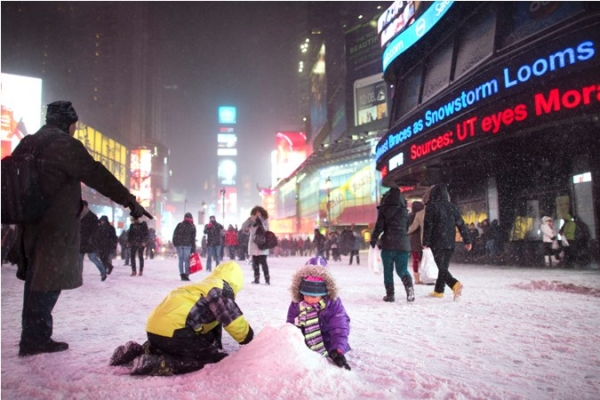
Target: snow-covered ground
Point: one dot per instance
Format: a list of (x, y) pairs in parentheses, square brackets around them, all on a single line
[(517, 333)]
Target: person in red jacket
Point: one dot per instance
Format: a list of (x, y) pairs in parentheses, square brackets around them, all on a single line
[(231, 241)]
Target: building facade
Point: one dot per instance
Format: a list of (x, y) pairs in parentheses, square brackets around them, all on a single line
[(501, 101)]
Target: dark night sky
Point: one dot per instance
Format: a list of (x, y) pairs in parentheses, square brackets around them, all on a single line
[(234, 53), (242, 54)]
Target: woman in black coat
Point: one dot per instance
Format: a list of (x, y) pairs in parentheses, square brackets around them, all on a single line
[(137, 236), (441, 220), (392, 221)]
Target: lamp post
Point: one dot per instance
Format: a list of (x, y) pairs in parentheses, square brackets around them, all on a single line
[(223, 203), (328, 188)]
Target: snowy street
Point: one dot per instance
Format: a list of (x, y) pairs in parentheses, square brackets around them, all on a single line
[(516, 333)]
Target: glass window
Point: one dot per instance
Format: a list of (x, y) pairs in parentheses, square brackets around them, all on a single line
[(531, 17), (437, 75), (408, 92), (477, 43)]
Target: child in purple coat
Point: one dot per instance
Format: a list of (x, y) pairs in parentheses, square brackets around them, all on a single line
[(319, 313)]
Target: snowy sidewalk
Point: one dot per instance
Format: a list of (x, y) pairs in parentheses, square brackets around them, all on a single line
[(517, 333)]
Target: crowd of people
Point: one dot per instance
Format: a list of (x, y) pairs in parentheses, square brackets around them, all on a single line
[(184, 331)]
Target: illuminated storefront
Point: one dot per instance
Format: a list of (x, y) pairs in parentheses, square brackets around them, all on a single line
[(501, 101)]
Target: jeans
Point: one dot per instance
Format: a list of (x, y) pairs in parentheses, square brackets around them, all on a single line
[(93, 258), (391, 258), (183, 253), (36, 318), (213, 251)]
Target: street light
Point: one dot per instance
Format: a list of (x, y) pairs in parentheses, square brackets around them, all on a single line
[(328, 187), (223, 203)]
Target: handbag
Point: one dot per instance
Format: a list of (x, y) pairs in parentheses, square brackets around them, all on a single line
[(428, 269), (374, 260), (195, 263)]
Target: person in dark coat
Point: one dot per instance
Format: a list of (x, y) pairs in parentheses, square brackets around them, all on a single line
[(106, 238), (392, 222), (319, 243), (214, 241), (125, 254), (137, 237), (441, 220), (184, 240), (47, 250), (87, 242)]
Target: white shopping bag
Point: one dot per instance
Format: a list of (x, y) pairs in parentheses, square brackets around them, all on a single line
[(374, 260), (428, 269)]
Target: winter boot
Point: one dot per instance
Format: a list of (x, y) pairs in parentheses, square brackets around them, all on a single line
[(182, 277), (145, 364), (267, 279), (408, 286), (141, 273), (133, 273), (126, 353), (256, 279), (186, 277), (457, 289), (357, 260), (389, 296)]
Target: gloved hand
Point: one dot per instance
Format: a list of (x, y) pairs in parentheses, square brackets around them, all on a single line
[(338, 359), (137, 211), (373, 243)]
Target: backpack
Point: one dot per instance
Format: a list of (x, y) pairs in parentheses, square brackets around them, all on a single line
[(22, 197), (264, 239)]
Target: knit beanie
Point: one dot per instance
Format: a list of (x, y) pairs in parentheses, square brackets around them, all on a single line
[(61, 114), (313, 286), (317, 261), (188, 216)]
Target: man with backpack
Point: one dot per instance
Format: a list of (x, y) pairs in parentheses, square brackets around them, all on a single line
[(214, 242), (47, 249)]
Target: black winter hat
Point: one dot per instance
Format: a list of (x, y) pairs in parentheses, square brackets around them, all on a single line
[(313, 286), (188, 215), (61, 114), (104, 218)]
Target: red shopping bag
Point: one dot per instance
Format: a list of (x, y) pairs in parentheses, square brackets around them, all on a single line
[(195, 263)]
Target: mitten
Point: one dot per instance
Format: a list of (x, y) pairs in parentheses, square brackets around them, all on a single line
[(338, 359)]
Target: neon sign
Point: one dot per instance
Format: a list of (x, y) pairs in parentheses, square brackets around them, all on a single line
[(413, 33), (565, 58)]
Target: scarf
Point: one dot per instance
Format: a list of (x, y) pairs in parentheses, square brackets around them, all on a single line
[(308, 322)]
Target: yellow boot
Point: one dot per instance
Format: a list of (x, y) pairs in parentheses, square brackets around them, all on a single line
[(436, 294), (457, 289)]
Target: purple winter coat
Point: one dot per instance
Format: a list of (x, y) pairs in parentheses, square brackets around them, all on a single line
[(334, 322)]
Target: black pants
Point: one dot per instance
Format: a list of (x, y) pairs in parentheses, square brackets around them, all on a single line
[(139, 251), (106, 258), (442, 259), (187, 351), (352, 254), (36, 318), (257, 261)]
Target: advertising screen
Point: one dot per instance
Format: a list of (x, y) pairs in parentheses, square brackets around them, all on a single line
[(291, 151), (21, 100), (141, 176), (112, 154), (370, 99), (227, 115), (505, 99), (404, 18), (227, 143), (227, 171)]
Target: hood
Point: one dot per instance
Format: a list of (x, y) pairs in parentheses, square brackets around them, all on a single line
[(232, 273), (103, 218), (417, 206), (390, 203), (439, 192), (313, 270)]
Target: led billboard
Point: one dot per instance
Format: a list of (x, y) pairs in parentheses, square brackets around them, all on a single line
[(226, 144), (21, 101), (141, 176), (227, 171), (227, 115), (291, 151), (112, 154)]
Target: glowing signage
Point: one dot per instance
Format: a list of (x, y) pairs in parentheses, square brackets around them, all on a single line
[(565, 58), (227, 115), (291, 151), (141, 176), (227, 144), (227, 172), (21, 100), (401, 22), (414, 32), (112, 154)]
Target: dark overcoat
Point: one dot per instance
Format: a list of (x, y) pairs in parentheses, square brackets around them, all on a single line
[(50, 245)]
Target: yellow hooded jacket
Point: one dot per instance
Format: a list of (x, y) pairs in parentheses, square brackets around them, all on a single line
[(203, 306)]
